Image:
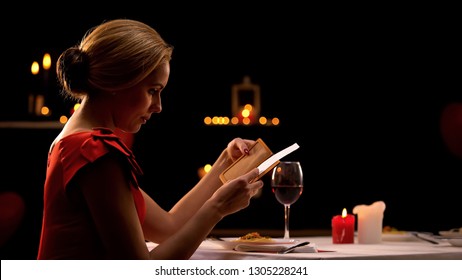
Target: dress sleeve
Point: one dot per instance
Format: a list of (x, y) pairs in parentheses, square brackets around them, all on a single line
[(99, 143), (93, 146)]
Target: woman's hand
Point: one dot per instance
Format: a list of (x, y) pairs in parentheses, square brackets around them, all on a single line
[(236, 194), (237, 147)]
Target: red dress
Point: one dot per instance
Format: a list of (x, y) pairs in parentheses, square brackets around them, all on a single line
[(68, 231)]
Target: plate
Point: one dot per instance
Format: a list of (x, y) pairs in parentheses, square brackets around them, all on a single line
[(455, 241), (450, 233), (230, 242), (401, 236)]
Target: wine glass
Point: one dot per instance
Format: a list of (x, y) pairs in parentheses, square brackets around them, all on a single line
[(287, 186)]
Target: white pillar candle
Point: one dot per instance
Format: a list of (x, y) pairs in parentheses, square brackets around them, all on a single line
[(370, 220)]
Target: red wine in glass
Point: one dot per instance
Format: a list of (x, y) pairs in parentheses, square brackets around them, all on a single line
[(287, 186), (287, 194)]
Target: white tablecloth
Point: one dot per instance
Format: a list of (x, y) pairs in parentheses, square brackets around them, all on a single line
[(387, 250)]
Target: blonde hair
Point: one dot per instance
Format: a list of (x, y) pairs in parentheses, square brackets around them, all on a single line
[(114, 55)]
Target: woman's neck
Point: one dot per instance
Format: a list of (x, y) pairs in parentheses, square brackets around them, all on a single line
[(92, 113)]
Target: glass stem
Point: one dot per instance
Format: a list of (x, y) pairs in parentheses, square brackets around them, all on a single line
[(286, 221)]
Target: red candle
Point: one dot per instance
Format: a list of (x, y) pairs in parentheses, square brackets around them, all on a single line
[(343, 228)]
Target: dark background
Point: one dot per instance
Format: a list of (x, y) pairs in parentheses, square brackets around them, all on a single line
[(361, 92)]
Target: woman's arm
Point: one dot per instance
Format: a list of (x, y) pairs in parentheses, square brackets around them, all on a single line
[(106, 190), (230, 198), (160, 224)]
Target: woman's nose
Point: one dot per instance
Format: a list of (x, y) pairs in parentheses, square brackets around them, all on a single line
[(156, 104)]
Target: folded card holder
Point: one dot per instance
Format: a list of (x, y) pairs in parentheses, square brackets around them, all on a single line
[(258, 153)]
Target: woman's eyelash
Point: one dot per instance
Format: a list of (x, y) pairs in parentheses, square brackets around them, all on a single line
[(154, 91)]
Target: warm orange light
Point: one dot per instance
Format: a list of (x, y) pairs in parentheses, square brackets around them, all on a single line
[(35, 68), (207, 120), (73, 109), (246, 117), (204, 170), (45, 111), (63, 119), (46, 61), (263, 120), (344, 213), (275, 121), (207, 168)]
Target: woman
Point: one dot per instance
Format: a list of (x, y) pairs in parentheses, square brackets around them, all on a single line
[(93, 205)]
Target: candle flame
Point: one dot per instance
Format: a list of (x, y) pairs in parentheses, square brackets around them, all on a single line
[(46, 61), (35, 68), (344, 213)]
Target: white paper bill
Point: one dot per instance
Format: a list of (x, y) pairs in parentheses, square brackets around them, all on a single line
[(277, 156)]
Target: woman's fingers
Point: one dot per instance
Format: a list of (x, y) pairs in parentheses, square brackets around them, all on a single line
[(238, 147), (253, 186)]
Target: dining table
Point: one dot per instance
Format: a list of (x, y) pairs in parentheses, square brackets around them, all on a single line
[(396, 249)]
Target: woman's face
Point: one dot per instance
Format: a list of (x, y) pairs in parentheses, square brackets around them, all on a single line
[(134, 106)]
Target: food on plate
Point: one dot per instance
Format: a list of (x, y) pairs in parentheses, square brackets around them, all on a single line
[(254, 237), (392, 230), (454, 232)]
